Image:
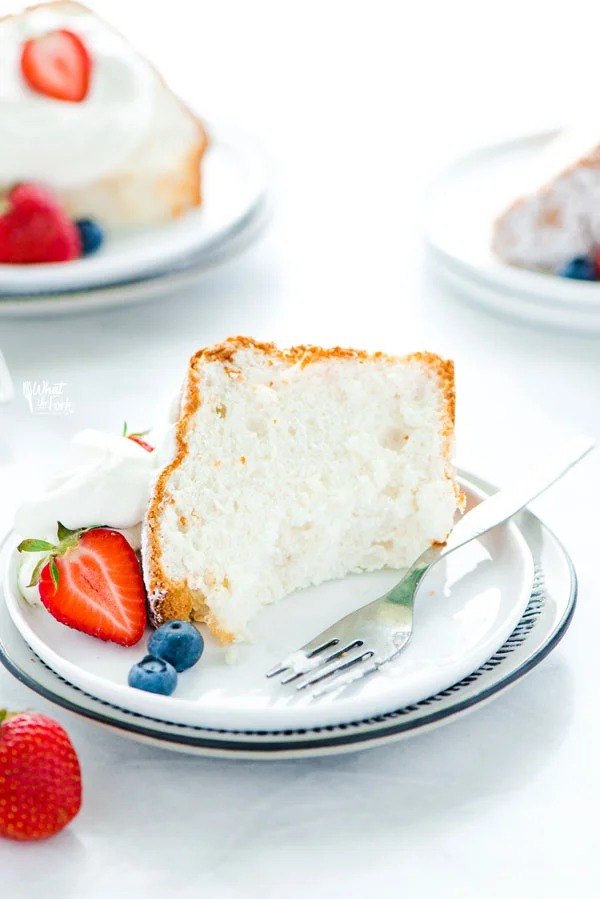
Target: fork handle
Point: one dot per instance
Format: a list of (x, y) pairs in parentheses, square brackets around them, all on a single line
[(491, 512), (507, 502), (403, 593)]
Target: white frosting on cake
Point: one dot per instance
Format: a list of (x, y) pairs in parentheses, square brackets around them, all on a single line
[(106, 480), (67, 144)]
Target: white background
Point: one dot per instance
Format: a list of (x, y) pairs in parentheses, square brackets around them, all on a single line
[(358, 105)]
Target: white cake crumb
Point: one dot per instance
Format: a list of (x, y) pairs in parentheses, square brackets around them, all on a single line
[(232, 654), (296, 473)]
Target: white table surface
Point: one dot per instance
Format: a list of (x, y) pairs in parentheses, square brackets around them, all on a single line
[(357, 104)]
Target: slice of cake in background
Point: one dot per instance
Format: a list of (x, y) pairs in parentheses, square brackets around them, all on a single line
[(557, 222), (292, 468), (104, 133)]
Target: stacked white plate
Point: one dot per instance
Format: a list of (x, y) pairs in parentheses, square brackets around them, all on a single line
[(483, 618), (144, 263), (461, 206)]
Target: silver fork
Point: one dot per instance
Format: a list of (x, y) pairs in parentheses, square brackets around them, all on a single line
[(363, 641)]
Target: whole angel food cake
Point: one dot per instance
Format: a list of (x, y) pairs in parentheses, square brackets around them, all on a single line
[(292, 468), (554, 226), (88, 121)]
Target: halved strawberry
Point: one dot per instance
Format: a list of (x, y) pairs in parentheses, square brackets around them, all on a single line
[(57, 65), (91, 581), (137, 438)]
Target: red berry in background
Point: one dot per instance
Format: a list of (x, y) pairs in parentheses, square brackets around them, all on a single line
[(40, 777), (57, 65), (36, 228)]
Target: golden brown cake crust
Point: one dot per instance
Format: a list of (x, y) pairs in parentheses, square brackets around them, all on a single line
[(188, 190), (173, 600)]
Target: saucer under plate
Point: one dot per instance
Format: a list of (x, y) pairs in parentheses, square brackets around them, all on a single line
[(542, 624), (487, 615), (182, 276)]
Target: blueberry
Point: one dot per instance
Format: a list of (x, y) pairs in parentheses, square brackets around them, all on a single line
[(581, 268), (92, 236), (154, 675), (178, 642)]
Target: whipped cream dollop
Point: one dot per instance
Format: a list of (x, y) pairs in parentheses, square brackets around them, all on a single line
[(67, 144), (106, 480)]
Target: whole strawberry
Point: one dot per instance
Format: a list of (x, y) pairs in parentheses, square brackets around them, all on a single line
[(40, 777), (36, 228)]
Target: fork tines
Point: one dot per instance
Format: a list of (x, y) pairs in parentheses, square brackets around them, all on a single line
[(309, 666)]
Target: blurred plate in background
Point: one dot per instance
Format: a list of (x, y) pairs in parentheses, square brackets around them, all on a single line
[(461, 205), (510, 304), (233, 186), (184, 275)]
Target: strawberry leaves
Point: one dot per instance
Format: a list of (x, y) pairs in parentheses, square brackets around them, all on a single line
[(133, 433), (136, 437), (35, 546), (35, 574), (64, 532), (54, 572), (67, 539)]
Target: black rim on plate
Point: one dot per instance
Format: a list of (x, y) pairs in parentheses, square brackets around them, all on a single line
[(420, 715)]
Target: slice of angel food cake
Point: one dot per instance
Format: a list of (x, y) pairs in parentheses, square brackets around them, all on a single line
[(554, 225), (295, 467)]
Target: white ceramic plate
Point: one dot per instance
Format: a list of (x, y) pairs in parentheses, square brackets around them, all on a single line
[(461, 205), (466, 609), (233, 184), (187, 273), (543, 623)]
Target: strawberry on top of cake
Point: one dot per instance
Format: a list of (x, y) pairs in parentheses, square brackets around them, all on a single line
[(90, 122)]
